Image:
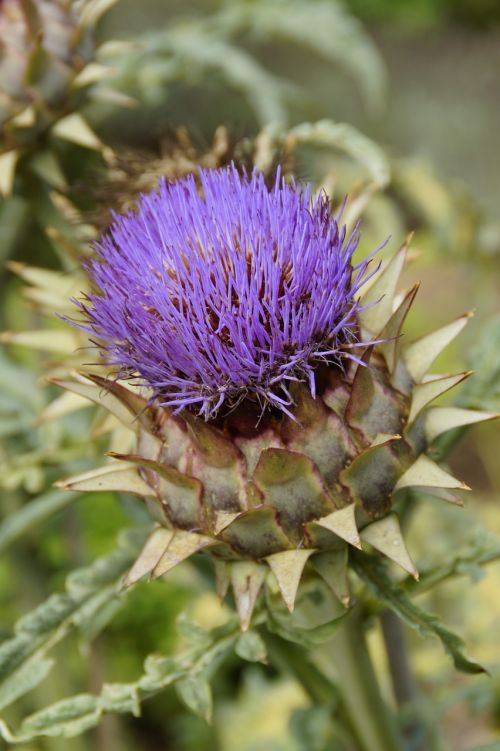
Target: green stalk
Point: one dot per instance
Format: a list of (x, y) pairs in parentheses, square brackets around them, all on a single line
[(346, 659)]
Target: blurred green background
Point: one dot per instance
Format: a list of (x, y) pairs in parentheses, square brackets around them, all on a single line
[(419, 78)]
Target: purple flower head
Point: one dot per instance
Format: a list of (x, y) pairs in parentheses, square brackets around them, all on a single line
[(229, 292)]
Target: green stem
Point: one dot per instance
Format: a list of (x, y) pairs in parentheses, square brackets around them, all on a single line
[(289, 657), (346, 659)]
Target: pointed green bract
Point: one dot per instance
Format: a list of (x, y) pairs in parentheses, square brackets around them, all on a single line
[(440, 419), (247, 579), (287, 568), (112, 477), (420, 355), (154, 547), (424, 393), (181, 546), (392, 330), (332, 567), (381, 293), (8, 162), (292, 485), (426, 473), (222, 578), (343, 524), (74, 128), (385, 536)]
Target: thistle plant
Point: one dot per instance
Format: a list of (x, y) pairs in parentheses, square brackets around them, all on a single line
[(277, 423)]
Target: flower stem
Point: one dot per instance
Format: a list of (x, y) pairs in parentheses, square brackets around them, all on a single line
[(403, 682), (346, 658)]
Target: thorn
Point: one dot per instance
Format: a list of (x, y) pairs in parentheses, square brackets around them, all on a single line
[(287, 567), (182, 546), (385, 536), (343, 524)]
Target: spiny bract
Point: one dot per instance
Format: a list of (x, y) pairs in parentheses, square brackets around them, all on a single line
[(249, 285)]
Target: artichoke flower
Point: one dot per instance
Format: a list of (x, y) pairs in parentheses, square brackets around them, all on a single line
[(277, 418)]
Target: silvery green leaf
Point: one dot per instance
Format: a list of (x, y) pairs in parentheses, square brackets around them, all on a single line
[(323, 26), (373, 571), (251, 647), (349, 140), (37, 632), (76, 714), (32, 514), (467, 562), (196, 694), (191, 631), (306, 637), (25, 679)]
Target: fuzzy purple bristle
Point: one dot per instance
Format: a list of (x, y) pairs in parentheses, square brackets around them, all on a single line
[(226, 289)]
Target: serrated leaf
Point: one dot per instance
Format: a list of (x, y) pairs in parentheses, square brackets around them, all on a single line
[(30, 675), (77, 714), (196, 694), (192, 631), (306, 637), (325, 28), (251, 647), (67, 718), (50, 622), (483, 391), (374, 573), (198, 47), (484, 551)]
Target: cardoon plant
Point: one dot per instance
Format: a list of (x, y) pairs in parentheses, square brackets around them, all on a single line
[(279, 424)]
